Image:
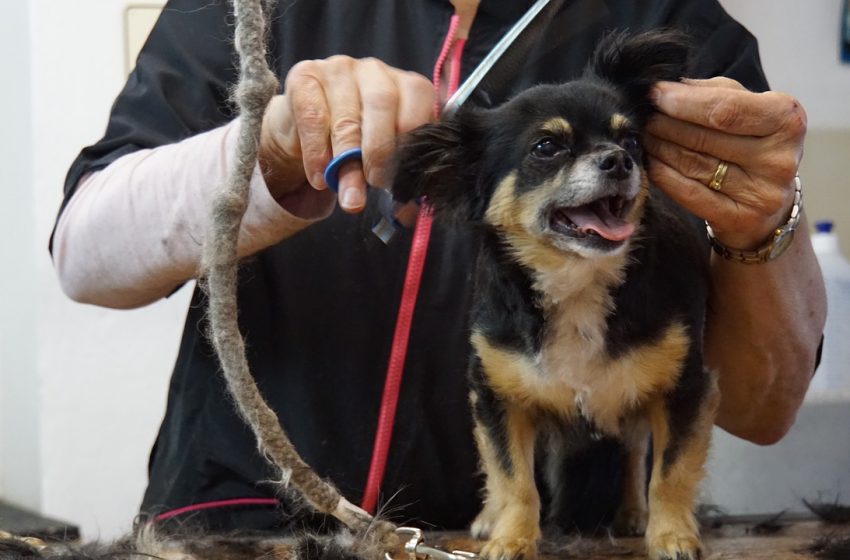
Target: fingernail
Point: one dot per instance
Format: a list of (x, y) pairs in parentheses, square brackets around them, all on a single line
[(655, 95), (352, 199), (318, 181)]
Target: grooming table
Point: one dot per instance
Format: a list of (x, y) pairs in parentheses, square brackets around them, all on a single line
[(28, 524), (739, 539)]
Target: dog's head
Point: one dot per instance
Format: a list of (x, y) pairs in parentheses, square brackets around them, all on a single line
[(558, 167)]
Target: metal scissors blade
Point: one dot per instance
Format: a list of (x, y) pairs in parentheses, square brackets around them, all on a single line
[(522, 35)]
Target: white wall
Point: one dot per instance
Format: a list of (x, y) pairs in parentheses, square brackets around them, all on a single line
[(800, 54), (20, 465), (83, 389)]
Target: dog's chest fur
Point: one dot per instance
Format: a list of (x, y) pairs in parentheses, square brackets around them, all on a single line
[(571, 372)]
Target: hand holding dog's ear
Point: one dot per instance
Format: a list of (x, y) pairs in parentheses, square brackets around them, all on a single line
[(759, 135), (328, 107)]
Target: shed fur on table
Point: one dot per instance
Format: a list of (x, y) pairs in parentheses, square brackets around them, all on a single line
[(741, 540)]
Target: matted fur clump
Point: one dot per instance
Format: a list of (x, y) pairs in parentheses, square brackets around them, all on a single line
[(148, 543), (257, 85), (831, 512)]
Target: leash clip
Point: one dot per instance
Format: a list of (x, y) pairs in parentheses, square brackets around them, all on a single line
[(416, 548)]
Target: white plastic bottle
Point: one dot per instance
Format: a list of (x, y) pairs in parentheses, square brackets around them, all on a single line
[(833, 376)]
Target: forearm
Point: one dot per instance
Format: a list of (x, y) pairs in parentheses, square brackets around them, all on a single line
[(134, 230), (764, 325)]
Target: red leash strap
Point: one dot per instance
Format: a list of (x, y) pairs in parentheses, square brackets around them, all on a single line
[(214, 505), (398, 353), (412, 280)]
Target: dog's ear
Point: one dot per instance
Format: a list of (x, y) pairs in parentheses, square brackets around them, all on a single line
[(632, 63), (439, 162)]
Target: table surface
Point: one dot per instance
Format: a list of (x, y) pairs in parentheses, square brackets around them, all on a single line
[(738, 540), (20, 521)]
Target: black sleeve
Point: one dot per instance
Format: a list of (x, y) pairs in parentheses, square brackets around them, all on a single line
[(723, 47), (729, 50), (179, 87)]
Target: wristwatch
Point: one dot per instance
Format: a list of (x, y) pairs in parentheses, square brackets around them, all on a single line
[(775, 245)]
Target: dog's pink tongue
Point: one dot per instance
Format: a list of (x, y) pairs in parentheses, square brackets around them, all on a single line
[(597, 217)]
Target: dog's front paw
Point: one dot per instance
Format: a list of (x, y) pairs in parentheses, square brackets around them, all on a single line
[(630, 521), (510, 549), (674, 546), (483, 525)]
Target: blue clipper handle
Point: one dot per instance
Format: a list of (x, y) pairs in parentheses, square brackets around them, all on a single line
[(332, 170), (389, 225)]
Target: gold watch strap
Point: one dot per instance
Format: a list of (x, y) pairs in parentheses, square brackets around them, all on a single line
[(766, 252)]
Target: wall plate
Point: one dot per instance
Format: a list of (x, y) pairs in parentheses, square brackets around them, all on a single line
[(139, 19)]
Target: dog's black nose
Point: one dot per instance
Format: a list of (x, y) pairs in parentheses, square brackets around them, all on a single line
[(617, 164)]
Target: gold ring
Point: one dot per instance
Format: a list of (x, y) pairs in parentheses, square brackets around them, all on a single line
[(717, 182)]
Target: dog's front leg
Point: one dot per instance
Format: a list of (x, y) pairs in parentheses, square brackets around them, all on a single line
[(505, 432), (511, 515), (681, 430), (632, 513)]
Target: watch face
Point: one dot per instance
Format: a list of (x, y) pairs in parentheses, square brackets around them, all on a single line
[(780, 243)]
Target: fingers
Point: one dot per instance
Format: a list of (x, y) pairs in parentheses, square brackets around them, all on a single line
[(416, 100), (733, 110), (751, 201), (380, 99), (728, 147), (725, 214), (759, 136), (717, 81), (309, 111), (342, 103), (698, 169)]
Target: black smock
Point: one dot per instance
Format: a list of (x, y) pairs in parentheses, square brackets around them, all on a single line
[(318, 309)]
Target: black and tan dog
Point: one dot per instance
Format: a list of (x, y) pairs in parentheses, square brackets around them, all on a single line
[(590, 294)]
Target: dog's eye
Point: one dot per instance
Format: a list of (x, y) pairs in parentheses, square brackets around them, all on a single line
[(547, 148), (630, 143)]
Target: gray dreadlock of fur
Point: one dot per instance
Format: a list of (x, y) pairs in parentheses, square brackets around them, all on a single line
[(147, 544), (257, 85)]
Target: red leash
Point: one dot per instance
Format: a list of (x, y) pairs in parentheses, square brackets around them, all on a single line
[(412, 281)]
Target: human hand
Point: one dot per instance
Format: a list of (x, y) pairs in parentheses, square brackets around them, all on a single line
[(330, 106), (759, 135)]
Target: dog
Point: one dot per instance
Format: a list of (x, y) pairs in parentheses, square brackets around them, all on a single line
[(589, 297)]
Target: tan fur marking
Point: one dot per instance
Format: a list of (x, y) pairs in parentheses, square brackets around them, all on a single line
[(511, 514), (499, 212), (494, 500), (672, 526), (619, 121), (574, 374), (517, 217), (636, 211), (558, 126), (513, 375)]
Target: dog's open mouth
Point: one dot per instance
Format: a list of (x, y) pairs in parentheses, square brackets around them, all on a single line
[(604, 217)]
